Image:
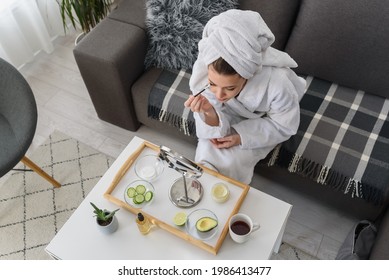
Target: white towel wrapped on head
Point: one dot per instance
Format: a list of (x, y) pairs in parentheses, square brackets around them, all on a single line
[(241, 38)]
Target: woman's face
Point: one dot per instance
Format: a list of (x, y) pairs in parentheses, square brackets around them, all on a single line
[(225, 87)]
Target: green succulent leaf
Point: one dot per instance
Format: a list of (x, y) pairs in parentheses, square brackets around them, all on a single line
[(103, 215)]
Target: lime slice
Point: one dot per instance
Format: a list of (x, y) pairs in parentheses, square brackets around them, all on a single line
[(180, 219), (148, 196), (139, 198), (131, 192), (140, 189)]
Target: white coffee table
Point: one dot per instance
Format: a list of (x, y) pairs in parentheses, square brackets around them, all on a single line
[(79, 238)]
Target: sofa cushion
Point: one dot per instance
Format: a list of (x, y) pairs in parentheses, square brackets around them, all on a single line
[(344, 42), (166, 100), (279, 15), (342, 141), (144, 85), (175, 28)]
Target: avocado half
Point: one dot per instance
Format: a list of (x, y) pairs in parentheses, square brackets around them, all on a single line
[(206, 224)]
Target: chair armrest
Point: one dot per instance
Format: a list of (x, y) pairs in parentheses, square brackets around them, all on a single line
[(111, 59)]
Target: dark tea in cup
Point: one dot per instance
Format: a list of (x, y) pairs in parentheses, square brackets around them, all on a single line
[(240, 227)]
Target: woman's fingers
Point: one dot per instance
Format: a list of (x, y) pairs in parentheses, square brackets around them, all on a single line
[(226, 142), (195, 103), (189, 101)]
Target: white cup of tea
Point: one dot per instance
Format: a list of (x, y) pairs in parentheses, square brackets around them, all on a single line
[(241, 226)]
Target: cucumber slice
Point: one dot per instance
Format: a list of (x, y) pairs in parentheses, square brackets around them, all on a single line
[(139, 198), (148, 196), (140, 189), (131, 192)]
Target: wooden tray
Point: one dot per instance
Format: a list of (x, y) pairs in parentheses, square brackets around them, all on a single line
[(163, 205)]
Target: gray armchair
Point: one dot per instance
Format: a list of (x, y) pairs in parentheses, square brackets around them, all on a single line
[(18, 119)]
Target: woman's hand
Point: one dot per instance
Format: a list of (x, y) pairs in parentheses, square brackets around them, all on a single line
[(226, 142), (200, 104)]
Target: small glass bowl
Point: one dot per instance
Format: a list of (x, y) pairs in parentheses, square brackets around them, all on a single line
[(149, 188), (149, 167), (220, 192), (192, 219)]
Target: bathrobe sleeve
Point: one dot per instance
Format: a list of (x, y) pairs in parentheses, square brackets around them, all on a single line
[(205, 131), (280, 122)]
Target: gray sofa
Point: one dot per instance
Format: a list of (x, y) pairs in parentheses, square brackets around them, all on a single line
[(333, 42)]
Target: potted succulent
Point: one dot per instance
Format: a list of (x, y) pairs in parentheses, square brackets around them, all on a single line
[(106, 220), (84, 13)]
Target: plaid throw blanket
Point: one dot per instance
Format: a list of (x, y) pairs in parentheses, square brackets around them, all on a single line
[(166, 101), (342, 141)]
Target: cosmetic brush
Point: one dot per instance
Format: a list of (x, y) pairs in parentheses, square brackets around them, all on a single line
[(201, 91)]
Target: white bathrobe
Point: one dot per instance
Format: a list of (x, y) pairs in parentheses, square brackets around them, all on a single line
[(264, 114)]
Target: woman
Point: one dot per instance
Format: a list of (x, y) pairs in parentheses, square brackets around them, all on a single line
[(251, 100)]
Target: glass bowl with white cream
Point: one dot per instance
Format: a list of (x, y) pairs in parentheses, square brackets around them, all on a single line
[(149, 167)]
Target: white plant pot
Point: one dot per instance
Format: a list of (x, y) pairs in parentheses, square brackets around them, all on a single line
[(79, 38), (110, 228)]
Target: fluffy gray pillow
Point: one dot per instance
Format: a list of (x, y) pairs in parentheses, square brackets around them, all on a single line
[(175, 28)]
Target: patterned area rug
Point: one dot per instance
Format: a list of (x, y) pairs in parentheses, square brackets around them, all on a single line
[(288, 252), (32, 211)]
